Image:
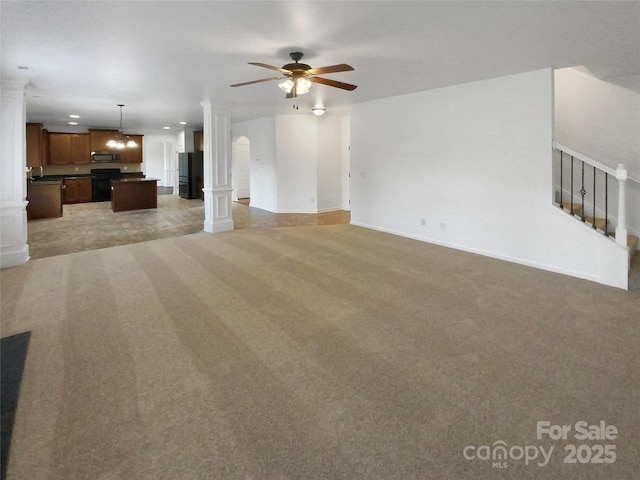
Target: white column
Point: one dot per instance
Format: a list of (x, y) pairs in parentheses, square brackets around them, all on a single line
[(13, 179), (621, 229), (217, 169)]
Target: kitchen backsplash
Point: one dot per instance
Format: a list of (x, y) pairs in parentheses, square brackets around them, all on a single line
[(85, 169)]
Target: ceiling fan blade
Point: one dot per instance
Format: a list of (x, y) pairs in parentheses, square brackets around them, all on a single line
[(343, 67), (264, 65), (333, 83), (256, 81)]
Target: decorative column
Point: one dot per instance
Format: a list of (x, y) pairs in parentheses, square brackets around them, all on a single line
[(13, 179), (217, 169), (621, 229)]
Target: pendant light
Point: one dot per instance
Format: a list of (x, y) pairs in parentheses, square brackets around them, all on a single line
[(121, 141)]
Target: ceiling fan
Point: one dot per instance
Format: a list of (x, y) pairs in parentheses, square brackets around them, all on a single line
[(298, 76)]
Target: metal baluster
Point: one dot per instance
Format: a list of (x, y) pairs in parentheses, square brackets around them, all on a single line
[(582, 194), (571, 184), (606, 202)]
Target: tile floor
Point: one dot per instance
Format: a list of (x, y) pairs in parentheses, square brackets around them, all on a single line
[(91, 226)]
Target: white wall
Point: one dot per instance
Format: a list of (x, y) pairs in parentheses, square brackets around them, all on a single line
[(159, 152), (474, 162), (345, 160), (296, 162), (602, 121), (329, 155), (597, 118), (262, 162), (296, 150)]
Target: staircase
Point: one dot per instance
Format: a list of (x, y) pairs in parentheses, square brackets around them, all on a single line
[(601, 224), (582, 190)]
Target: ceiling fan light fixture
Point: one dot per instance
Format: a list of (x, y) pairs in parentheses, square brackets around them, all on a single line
[(303, 85), (318, 110), (287, 85)]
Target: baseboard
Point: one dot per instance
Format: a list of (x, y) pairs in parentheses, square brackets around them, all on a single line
[(13, 259), (485, 253), (211, 227)]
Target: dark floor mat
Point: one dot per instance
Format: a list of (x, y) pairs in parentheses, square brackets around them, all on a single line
[(13, 353)]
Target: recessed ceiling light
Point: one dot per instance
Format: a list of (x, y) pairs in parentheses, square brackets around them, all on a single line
[(183, 123), (74, 116), (167, 128), (73, 123)]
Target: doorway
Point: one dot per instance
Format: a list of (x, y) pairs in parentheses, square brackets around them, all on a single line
[(240, 173)]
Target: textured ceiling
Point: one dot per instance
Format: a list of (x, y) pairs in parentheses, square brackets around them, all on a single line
[(162, 58)]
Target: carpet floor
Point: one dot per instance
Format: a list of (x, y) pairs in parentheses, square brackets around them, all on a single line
[(317, 352)]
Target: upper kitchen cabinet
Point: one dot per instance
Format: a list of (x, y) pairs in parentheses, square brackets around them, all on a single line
[(69, 148), (134, 154), (37, 145), (99, 139), (198, 141)]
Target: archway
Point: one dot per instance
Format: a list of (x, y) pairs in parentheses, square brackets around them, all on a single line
[(240, 172)]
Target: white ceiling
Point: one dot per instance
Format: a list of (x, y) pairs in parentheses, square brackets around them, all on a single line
[(162, 58)]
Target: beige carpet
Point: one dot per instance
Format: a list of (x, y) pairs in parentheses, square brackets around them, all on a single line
[(324, 352)]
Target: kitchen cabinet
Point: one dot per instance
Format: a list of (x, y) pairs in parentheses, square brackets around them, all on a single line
[(198, 141), (69, 149), (134, 194), (134, 154), (45, 199), (99, 139), (77, 190), (34, 144)]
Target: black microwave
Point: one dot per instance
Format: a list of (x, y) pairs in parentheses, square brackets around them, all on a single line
[(105, 157)]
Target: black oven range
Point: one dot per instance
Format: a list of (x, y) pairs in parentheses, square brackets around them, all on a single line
[(101, 183)]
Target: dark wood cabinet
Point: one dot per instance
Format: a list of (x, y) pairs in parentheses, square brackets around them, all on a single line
[(77, 190), (99, 139), (35, 147), (134, 194), (45, 199), (59, 148), (198, 141), (134, 154), (69, 149)]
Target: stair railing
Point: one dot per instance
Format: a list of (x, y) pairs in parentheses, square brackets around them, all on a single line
[(586, 163)]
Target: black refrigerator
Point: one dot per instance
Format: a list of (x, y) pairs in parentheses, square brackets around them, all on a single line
[(190, 175)]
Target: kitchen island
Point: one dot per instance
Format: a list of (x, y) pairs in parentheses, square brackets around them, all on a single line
[(134, 194), (45, 199)]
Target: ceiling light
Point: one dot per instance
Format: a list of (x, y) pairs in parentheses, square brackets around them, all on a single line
[(303, 85), (287, 85), (74, 116), (183, 123), (318, 110), (121, 141), (73, 123), (167, 128)]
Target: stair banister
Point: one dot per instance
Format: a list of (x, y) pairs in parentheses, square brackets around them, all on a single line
[(584, 158), (621, 229)]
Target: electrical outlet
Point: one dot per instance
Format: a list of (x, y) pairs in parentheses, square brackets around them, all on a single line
[(423, 222)]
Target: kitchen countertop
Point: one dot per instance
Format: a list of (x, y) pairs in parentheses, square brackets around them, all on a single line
[(136, 179), (46, 182)]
